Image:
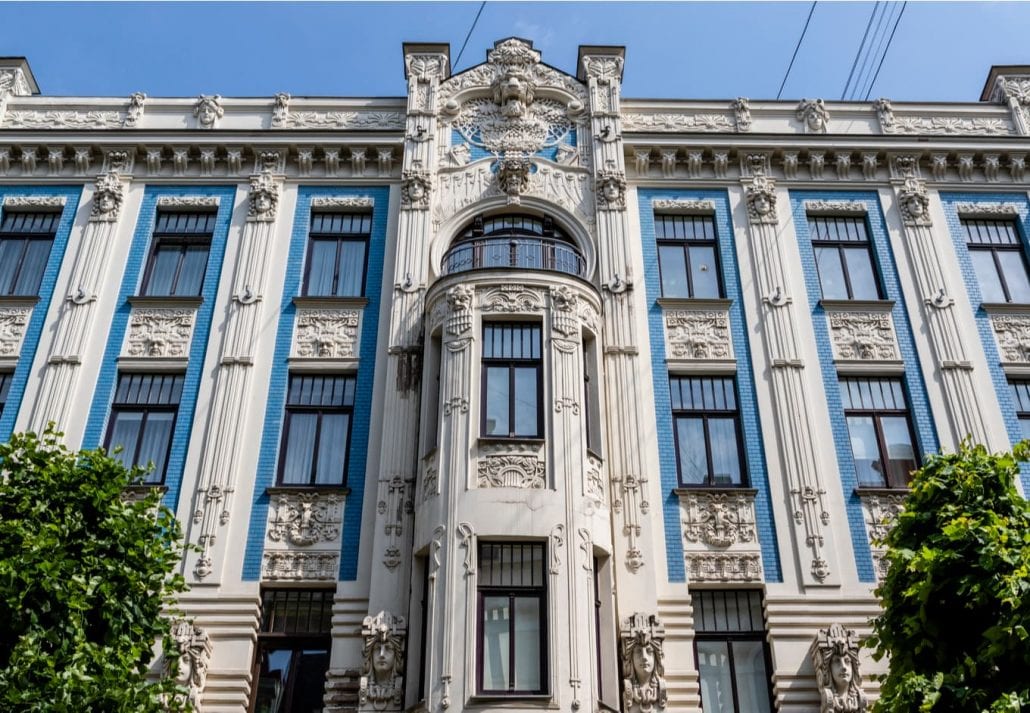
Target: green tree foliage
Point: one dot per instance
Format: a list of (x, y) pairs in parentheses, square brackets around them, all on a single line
[(85, 573), (956, 597)]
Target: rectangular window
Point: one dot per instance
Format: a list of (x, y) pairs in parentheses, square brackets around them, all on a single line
[(707, 428), (292, 651), (512, 383), (844, 258), (882, 440), (1020, 395), (337, 246), (730, 649), (512, 637), (25, 242), (999, 260), (178, 257), (316, 430), (142, 420), (5, 387), (688, 257)]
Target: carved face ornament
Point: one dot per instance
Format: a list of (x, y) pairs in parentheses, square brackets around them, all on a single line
[(643, 664), (840, 673), (383, 661)]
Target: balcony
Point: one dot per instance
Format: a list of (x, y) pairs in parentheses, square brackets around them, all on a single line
[(522, 253)]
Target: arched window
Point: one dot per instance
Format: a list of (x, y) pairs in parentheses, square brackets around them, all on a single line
[(525, 242)]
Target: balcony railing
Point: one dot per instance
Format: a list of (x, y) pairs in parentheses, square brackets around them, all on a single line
[(514, 253)]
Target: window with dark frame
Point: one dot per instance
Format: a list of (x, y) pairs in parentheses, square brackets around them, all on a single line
[(316, 430), (25, 242), (688, 256), (844, 258), (337, 248), (513, 241), (999, 259), (179, 253), (882, 439), (707, 431), (5, 387), (1020, 395), (511, 650), (730, 651), (512, 381), (292, 654), (142, 422)]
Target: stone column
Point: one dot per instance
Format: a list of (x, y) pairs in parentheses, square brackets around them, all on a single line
[(77, 316)]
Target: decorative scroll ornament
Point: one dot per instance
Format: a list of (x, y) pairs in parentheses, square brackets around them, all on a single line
[(914, 201), (511, 471), (513, 177), (264, 198), (564, 307), (327, 333), (643, 664), (1013, 334), (208, 110), (742, 113), (305, 518), (135, 110), (866, 336), (107, 198), (719, 519), (382, 677), (459, 298), (698, 334), (415, 189), (189, 670), (835, 659), (611, 190), (160, 332), (13, 322), (813, 113)]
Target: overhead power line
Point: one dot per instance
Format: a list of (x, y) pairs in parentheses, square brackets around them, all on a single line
[(884, 56), (473, 27), (858, 54), (869, 51), (796, 48)]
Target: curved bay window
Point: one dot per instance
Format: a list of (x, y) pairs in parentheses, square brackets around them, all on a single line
[(514, 241)]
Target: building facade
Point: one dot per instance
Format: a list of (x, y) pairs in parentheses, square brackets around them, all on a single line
[(512, 393)]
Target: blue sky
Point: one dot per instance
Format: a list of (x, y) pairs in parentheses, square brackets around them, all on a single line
[(941, 51)]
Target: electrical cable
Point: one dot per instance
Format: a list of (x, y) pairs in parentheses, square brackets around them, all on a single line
[(889, 40), (800, 40), (874, 41), (861, 46), (878, 54), (465, 43)]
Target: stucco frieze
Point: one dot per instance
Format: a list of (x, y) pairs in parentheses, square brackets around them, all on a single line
[(674, 122), (824, 207), (1012, 332), (511, 471), (326, 333), (13, 323), (988, 209), (281, 565), (698, 334), (160, 332), (892, 122), (305, 518), (863, 336), (723, 567)]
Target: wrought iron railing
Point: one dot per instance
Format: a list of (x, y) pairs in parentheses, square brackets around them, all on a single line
[(515, 253)]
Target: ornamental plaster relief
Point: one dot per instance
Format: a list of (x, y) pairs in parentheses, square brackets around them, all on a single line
[(891, 122), (684, 206), (34, 201), (642, 639), (1012, 332), (512, 299), (282, 565), (720, 536), (54, 119), (160, 332), (326, 334), (863, 336), (13, 323), (305, 518), (879, 511), (986, 209), (511, 471), (724, 567), (382, 675), (698, 334), (675, 122), (189, 670)]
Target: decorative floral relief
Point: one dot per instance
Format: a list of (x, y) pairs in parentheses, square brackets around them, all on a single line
[(698, 334), (187, 201), (62, 120), (1013, 334), (341, 202), (684, 205), (836, 207), (280, 564), (13, 322), (326, 333), (723, 567), (160, 332), (678, 122), (34, 201), (594, 480), (542, 123), (866, 336), (512, 298), (369, 120), (305, 518), (881, 510), (511, 471), (946, 125), (719, 519), (987, 210)]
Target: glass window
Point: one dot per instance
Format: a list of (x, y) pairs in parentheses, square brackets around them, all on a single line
[(142, 421), (1020, 395), (512, 637), (293, 651), (732, 658), (882, 441), (707, 431), (513, 241), (688, 258), (316, 430), (999, 260), (25, 242), (178, 259), (844, 258), (337, 246), (512, 382), (5, 387)]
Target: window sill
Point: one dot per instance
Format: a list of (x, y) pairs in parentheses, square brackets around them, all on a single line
[(165, 301), (155, 365), (715, 490), (282, 489), (712, 303), (19, 300), (491, 701), (866, 491), (857, 305), (506, 441), (329, 302), (1005, 307)]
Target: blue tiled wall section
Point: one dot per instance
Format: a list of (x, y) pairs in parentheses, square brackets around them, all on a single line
[(752, 431), (30, 342), (915, 386), (983, 321), (268, 458), (131, 280)]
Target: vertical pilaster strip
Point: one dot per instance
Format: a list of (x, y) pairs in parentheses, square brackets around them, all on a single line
[(790, 389), (77, 314), (964, 403)]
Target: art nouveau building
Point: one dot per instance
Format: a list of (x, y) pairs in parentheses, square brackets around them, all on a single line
[(512, 393)]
